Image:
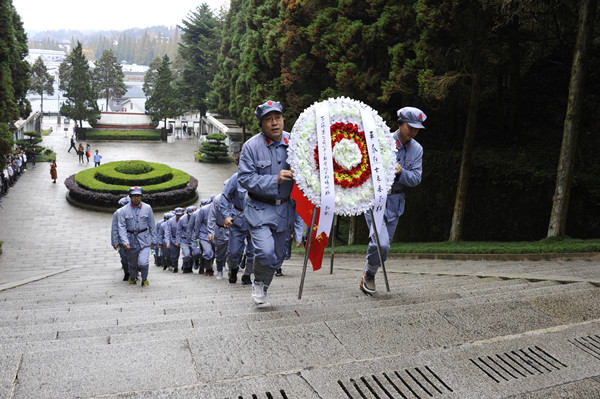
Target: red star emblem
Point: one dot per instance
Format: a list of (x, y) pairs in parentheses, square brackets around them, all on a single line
[(420, 116), (269, 102)]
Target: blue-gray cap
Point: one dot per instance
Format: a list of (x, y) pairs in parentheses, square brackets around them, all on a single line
[(136, 190), (267, 107), (124, 201), (179, 211), (167, 215), (413, 116), (204, 202), (191, 209)]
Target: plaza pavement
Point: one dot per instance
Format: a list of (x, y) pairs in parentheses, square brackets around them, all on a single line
[(448, 328)]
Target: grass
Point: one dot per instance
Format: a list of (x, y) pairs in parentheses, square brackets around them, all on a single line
[(548, 245)]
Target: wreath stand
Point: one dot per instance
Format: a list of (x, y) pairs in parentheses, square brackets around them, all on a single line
[(309, 242)]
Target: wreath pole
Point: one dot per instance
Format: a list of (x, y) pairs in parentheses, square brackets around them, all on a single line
[(332, 238), (307, 250), (387, 284)]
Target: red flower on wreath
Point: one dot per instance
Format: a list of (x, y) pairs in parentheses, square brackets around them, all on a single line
[(358, 175)]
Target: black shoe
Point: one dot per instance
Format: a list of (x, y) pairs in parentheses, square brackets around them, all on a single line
[(246, 280), (233, 275), (126, 277), (279, 273), (185, 271), (175, 270), (165, 267)]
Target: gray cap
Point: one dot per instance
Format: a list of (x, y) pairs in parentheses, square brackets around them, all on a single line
[(124, 201), (179, 211), (267, 107), (413, 116), (191, 209), (136, 190)]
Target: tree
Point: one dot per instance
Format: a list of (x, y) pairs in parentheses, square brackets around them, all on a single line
[(200, 40), (162, 103), (81, 101), (151, 76), (108, 77), (41, 81), (214, 147), (560, 202)]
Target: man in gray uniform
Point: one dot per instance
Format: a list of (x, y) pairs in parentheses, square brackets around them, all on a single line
[(408, 174), (170, 238), (137, 233), (265, 173), (184, 240), (218, 235), (114, 238)]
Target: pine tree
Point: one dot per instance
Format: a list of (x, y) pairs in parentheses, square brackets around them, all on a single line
[(81, 101), (41, 81), (108, 77), (162, 103)]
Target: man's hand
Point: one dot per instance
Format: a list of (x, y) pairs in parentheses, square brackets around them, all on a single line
[(127, 246), (211, 238), (298, 243), (228, 222), (177, 245), (116, 247), (398, 168), (168, 246), (285, 175)]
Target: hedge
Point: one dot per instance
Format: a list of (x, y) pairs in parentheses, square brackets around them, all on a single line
[(149, 135), (106, 178)]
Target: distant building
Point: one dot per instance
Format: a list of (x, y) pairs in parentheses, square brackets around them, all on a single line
[(126, 113)]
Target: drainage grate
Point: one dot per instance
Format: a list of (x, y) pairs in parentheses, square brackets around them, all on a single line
[(415, 383), (589, 344), (267, 395), (518, 364)]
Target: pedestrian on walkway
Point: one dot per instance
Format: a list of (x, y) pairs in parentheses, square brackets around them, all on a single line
[(80, 152), (265, 172), (170, 239), (218, 235), (114, 238), (72, 144), (88, 152), (53, 172), (97, 158), (408, 174), (33, 157), (137, 233)]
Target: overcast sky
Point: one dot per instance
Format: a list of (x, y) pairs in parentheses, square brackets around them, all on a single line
[(38, 15)]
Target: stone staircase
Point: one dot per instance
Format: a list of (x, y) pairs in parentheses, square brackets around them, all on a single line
[(84, 333)]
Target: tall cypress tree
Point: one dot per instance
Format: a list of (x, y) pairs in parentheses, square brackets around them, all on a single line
[(81, 101), (41, 81), (162, 103), (108, 77)]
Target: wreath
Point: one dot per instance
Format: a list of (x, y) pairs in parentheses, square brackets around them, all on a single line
[(353, 185)]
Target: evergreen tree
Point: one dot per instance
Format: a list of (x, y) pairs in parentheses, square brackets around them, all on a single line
[(151, 76), (199, 45), (41, 81), (19, 66), (162, 103), (81, 101), (108, 77), (214, 148)]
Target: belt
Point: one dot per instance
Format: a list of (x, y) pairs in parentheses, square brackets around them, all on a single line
[(220, 225), (270, 201), (397, 191), (134, 232), (239, 209)]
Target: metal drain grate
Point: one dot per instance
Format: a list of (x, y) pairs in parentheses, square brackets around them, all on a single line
[(518, 364), (267, 395), (589, 344), (415, 383)]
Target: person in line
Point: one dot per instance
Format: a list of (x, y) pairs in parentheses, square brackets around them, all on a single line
[(114, 238), (137, 233), (184, 240), (73, 146), (201, 234), (265, 172), (408, 174), (80, 152), (218, 235), (88, 152), (232, 209), (170, 239)]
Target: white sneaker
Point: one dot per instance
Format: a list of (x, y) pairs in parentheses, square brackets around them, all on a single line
[(258, 292), (266, 303), (219, 275)]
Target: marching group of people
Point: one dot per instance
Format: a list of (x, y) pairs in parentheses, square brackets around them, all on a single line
[(250, 224), (16, 164)]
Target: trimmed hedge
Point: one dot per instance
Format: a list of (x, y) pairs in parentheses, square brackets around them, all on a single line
[(148, 135), (107, 179)]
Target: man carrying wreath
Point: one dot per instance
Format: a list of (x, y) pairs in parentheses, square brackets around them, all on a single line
[(265, 173), (408, 174)]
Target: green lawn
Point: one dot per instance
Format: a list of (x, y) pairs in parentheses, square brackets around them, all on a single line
[(123, 135), (554, 245)]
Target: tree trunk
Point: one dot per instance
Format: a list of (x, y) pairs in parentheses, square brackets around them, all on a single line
[(562, 192), (465, 164)]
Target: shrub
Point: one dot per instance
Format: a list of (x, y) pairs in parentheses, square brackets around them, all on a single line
[(148, 135), (214, 147)]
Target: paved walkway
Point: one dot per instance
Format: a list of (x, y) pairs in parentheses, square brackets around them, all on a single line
[(70, 328)]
